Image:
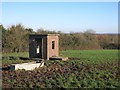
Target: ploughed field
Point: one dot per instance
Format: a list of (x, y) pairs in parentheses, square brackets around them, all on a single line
[(84, 69)]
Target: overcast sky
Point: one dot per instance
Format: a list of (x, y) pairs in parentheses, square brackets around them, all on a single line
[(63, 16)]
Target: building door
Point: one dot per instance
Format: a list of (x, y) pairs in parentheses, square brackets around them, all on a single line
[(39, 47)]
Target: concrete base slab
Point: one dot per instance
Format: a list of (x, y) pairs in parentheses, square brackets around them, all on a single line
[(27, 66)]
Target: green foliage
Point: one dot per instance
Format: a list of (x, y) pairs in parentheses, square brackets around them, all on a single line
[(16, 39), (92, 69)]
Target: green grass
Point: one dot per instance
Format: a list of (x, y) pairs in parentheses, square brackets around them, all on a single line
[(20, 54), (13, 58), (92, 54)]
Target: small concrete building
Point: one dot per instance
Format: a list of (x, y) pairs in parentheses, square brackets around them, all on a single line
[(43, 46)]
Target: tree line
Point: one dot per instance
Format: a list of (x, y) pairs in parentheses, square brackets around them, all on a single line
[(16, 39)]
